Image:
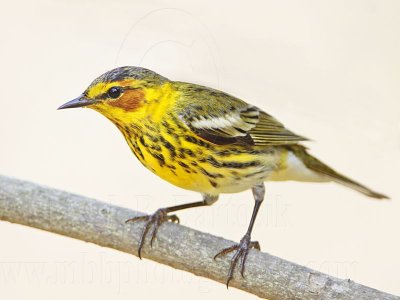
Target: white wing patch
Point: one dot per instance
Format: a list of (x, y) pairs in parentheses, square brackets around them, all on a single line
[(219, 122), (233, 124)]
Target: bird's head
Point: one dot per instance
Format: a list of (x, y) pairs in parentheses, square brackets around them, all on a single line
[(120, 91)]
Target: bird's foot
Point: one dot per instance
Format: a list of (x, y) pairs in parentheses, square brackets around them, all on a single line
[(153, 220), (241, 252)]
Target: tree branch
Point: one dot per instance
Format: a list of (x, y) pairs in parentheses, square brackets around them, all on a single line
[(180, 247)]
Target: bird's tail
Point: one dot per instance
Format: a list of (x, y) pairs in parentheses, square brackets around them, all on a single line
[(319, 167)]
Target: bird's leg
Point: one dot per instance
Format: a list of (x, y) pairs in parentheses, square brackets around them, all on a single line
[(161, 215), (245, 244)]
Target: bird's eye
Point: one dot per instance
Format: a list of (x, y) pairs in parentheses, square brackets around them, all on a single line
[(114, 92)]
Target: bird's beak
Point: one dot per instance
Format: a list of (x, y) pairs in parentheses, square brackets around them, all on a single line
[(78, 102)]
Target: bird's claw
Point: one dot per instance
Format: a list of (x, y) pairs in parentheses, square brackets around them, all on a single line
[(156, 219), (242, 250)]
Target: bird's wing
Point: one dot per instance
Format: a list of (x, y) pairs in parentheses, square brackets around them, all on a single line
[(223, 119)]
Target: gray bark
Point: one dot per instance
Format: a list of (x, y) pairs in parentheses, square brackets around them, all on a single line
[(178, 246)]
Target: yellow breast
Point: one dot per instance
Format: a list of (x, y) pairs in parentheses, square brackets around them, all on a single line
[(185, 160), (167, 147)]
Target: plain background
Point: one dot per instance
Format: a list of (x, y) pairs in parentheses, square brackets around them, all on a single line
[(329, 70)]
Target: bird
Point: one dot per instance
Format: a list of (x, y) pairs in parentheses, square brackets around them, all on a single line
[(203, 140)]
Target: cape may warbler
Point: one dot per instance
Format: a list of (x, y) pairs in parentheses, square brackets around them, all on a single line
[(203, 140)]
